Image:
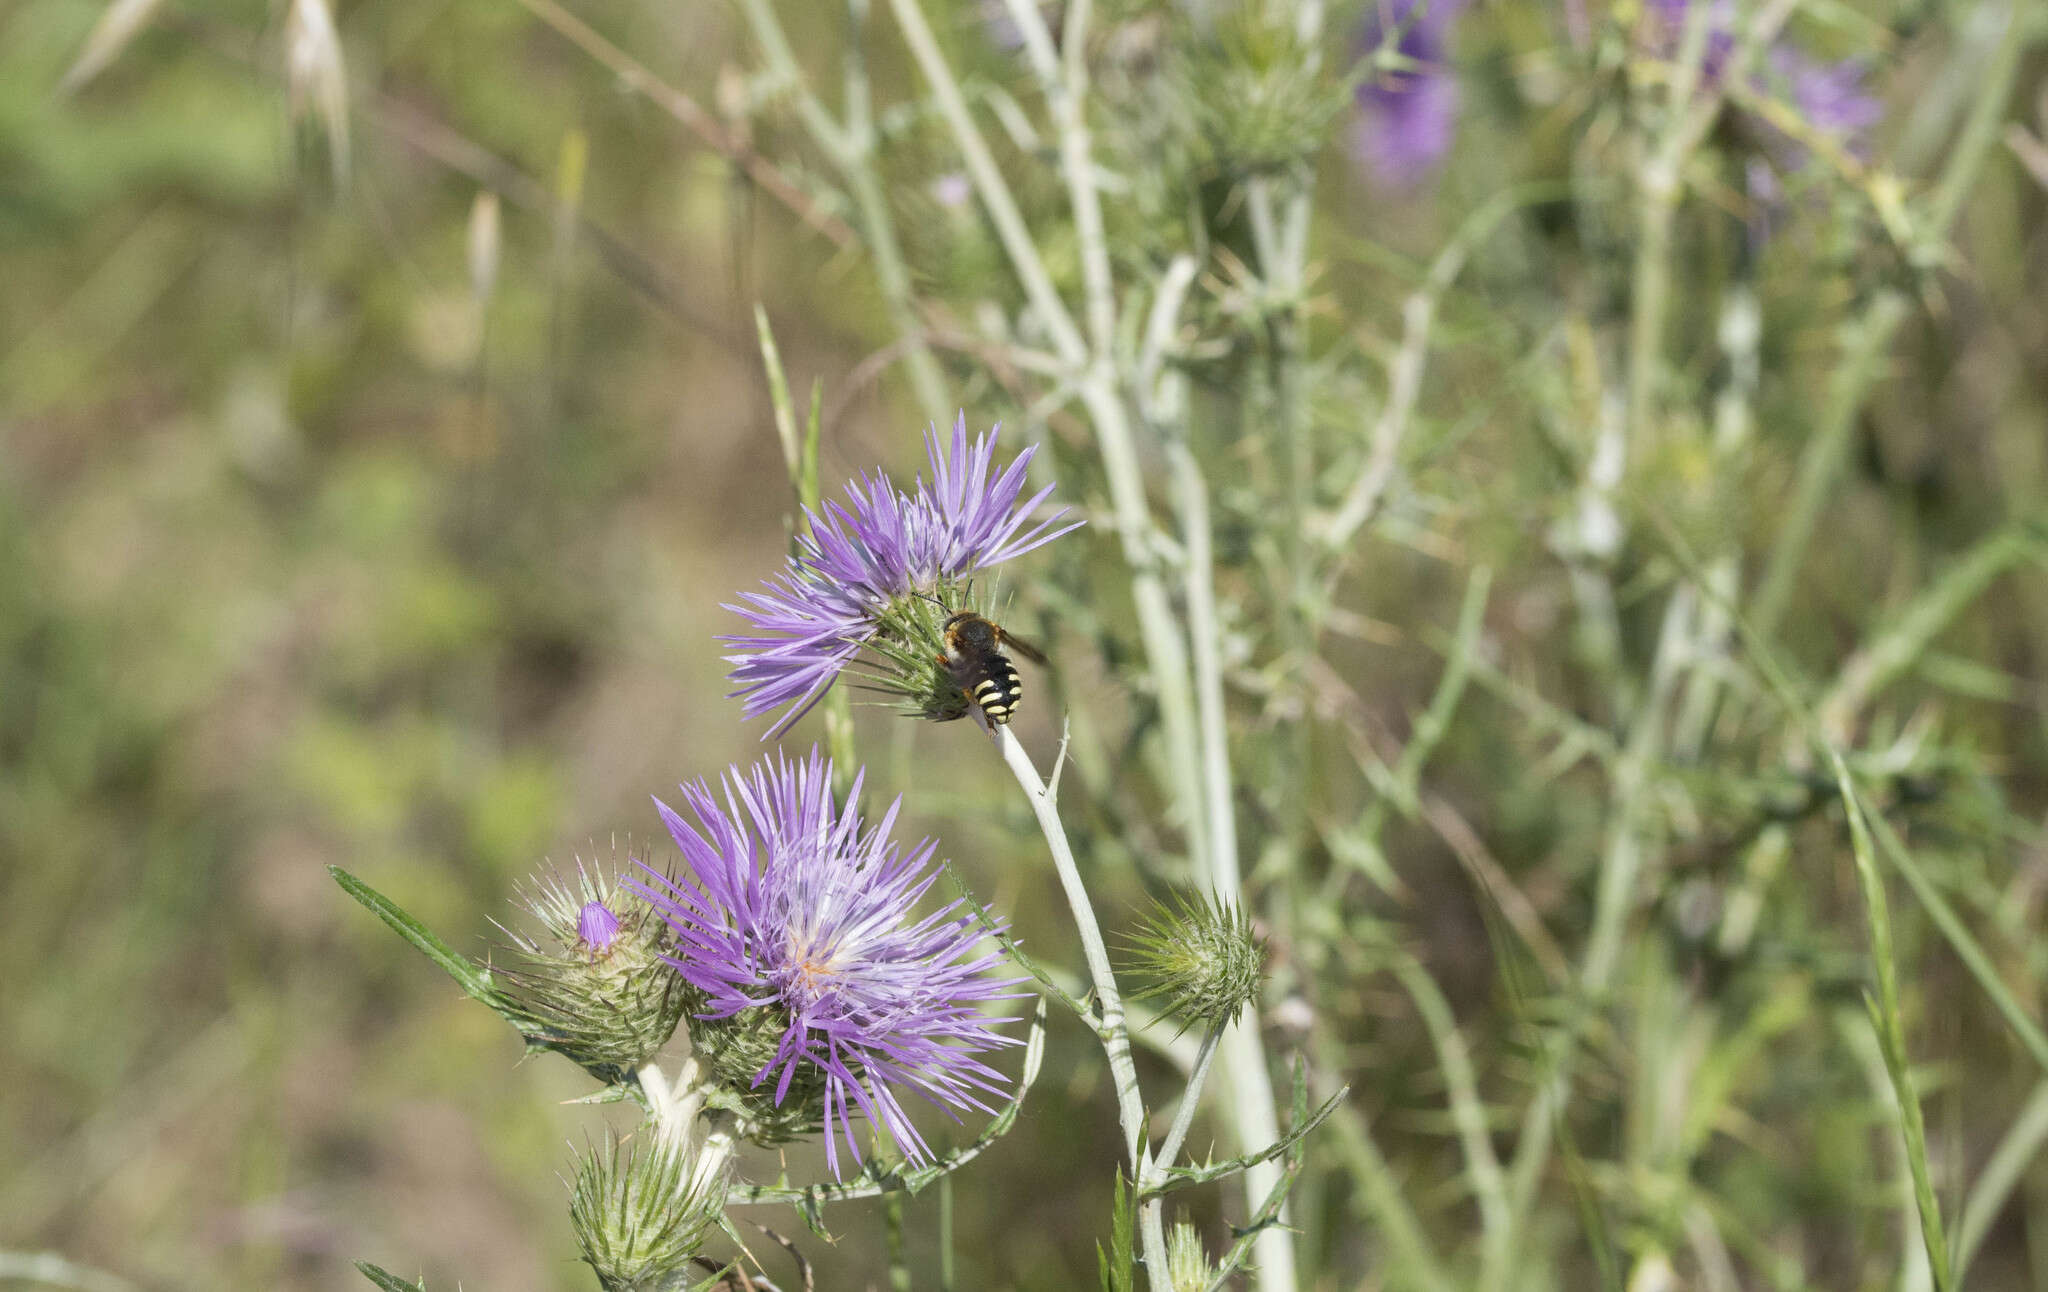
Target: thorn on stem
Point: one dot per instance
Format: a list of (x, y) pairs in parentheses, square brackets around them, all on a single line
[(1059, 762)]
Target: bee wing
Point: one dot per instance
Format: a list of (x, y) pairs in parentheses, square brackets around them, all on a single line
[(1024, 648)]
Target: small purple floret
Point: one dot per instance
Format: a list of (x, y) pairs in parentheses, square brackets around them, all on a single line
[(1406, 117), (1829, 96), (596, 926), (791, 902), (877, 546)]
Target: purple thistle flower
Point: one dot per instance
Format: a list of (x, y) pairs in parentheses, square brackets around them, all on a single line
[(877, 549), (791, 905), (1406, 117), (596, 926), (1671, 19), (1830, 97)]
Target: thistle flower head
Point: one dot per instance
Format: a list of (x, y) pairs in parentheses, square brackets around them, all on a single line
[(866, 563), (1200, 957), (592, 985), (641, 1211), (1406, 115), (818, 996)]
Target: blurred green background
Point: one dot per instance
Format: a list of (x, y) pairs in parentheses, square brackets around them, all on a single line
[(336, 530)]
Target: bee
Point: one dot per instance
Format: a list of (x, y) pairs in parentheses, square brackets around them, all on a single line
[(974, 654)]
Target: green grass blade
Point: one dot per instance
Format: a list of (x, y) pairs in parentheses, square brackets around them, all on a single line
[(1965, 945), (1891, 1031)]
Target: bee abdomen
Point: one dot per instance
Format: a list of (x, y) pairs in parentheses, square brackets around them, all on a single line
[(998, 691)]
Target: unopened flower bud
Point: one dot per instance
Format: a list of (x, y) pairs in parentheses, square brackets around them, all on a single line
[(641, 1211), (1187, 1264), (1200, 958), (593, 985), (736, 1051)]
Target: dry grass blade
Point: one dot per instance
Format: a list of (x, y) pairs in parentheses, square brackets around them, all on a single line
[(118, 25), (316, 77), (483, 246)]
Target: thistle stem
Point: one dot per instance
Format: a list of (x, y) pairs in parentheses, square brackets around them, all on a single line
[(1152, 1215), (1111, 1028), (1184, 1116)]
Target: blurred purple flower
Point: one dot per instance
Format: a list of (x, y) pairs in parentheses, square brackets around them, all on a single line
[(789, 904), (1406, 117), (1830, 97), (1670, 16), (879, 547)]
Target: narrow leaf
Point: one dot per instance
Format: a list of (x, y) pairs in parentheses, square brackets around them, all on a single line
[(1891, 1031), (474, 980), (390, 1282)]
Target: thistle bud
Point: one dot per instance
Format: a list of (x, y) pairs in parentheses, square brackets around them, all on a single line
[(641, 1214), (593, 986), (1200, 957), (1252, 95), (735, 1052), (1187, 1264)]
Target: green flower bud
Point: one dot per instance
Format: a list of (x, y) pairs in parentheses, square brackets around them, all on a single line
[(1252, 98), (593, 986), (1187, 1264), (733, 1052), (1200, 957), (641, 1213)]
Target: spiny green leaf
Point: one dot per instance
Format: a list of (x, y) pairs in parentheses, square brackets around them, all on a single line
[(474, 979)]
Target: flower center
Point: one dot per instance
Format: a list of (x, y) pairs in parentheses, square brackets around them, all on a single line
[(812, 967)]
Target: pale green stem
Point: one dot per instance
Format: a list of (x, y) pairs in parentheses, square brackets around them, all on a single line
[(1065, 83), (1094, 377), (714, 1155), (995, 193), (850, 148), (1152, 1217), (1692, 115), (660, 1097), (1184, 1116), (1110, 1027), (1249, 1083), (1283, 252)]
